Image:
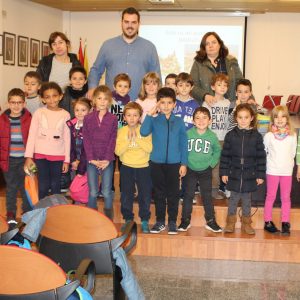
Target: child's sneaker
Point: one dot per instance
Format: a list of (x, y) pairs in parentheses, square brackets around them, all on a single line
[(184, 225), (145, 227), (227, 193), (158, 227), (172, 228), (270, 227), (285, 229), (213, 226)]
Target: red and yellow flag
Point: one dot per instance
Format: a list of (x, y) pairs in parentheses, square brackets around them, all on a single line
[(80, 53), (85, 59)]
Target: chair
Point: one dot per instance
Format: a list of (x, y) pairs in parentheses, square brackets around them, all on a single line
[(73, 232), (293, 104), (270, 101), (25, 274)]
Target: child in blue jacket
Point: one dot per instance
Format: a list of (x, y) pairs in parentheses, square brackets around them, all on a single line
[(168, 158)]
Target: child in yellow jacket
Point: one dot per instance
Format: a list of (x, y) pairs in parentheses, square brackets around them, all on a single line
[(134, 152)]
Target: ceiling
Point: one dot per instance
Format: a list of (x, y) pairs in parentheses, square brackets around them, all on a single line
[(251, 6)]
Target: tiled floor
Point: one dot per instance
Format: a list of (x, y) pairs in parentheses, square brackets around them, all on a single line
[(175, 278)]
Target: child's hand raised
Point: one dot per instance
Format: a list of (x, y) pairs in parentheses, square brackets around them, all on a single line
[(131, 134), (154, 110)]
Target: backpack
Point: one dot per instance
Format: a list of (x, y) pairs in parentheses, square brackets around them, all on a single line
[(79, 188)]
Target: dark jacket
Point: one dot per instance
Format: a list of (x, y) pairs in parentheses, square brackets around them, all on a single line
[(99, 139), (243, 160), (45, 65), (5, 135), (81, 169), (70, 96)]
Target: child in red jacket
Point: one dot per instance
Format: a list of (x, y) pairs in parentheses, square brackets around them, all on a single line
[(14, 124)]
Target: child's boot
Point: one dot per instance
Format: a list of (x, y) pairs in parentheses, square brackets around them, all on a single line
[(230, 223), (109, 212), (246, 225), (285, 229)]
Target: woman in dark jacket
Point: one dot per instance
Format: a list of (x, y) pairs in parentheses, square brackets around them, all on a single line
[(213, 58), (242, 166), (56, 66)]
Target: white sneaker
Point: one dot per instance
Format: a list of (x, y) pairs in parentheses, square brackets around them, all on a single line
[(227, 193)]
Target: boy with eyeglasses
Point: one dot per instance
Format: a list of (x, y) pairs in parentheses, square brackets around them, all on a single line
[(14, 124)]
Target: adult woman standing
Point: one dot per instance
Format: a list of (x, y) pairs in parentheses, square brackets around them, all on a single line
[(213, 58), (56, 66)]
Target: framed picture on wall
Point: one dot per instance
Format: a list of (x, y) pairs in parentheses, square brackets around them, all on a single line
[(1, 43), (34, 52), (45, 49), (23, 51), (9, 48)]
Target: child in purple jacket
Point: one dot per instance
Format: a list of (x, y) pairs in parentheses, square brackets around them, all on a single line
[(81, 107), (99, 140)]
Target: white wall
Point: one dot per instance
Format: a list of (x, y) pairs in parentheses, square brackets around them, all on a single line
[(273, 40), (273, 60), (31, 20)]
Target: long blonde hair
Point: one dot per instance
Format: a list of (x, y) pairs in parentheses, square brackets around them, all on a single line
[(151, 76), (285, 113)]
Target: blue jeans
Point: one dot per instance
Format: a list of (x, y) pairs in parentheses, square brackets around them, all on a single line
[(14, 178), (49, 175), (106, 180)]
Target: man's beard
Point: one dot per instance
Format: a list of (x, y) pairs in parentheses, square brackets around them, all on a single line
[(131, 35)]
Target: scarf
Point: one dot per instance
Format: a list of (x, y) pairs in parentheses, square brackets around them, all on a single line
[(280, 133), (75, 94)]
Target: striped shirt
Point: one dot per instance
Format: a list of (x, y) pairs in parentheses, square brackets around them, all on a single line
[(17, 148)]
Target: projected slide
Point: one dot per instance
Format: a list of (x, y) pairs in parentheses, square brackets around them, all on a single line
[(177, 44)]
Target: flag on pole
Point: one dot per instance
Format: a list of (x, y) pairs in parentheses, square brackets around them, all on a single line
[(85, 58), (80, 54)]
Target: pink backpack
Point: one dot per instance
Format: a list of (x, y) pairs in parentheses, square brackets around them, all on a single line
[(79, 189)]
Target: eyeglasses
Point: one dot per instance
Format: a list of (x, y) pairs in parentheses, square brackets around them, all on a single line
[(16, 102)]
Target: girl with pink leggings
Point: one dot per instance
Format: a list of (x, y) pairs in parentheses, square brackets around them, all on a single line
[(280, 144)]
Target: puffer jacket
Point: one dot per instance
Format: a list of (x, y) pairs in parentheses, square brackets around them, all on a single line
[(5, 135), (243, 160), (202, 74), (45, 65)]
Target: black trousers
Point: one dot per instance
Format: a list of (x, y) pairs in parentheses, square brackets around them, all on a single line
[(165, 181), (205, 182), (141, 177)]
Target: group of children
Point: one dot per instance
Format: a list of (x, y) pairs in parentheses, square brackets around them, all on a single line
[(165, 143)]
